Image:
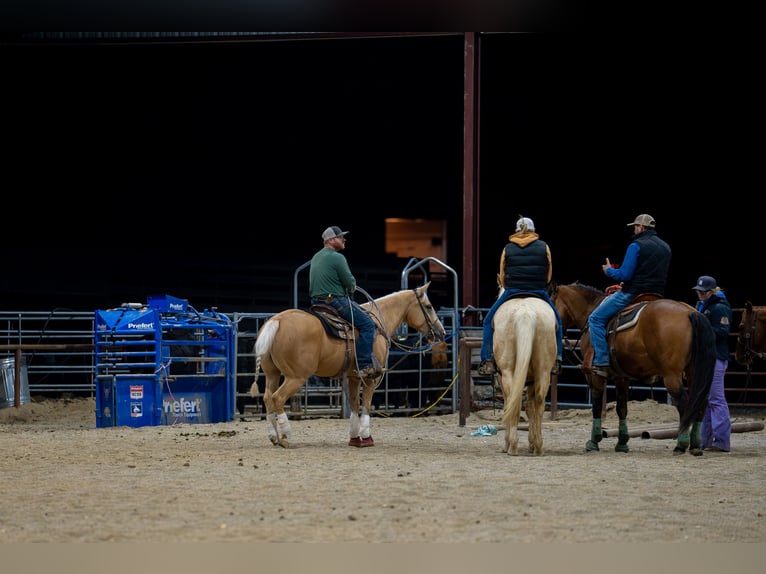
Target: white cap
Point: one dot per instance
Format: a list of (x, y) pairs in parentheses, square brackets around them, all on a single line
[(525, 224)]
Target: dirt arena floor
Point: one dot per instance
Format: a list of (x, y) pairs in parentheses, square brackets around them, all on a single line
[(427, 479)]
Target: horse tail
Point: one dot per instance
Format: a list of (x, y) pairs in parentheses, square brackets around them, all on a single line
[(266, 338), (703, 367), (262, 347), (525, 323), (525, 338)]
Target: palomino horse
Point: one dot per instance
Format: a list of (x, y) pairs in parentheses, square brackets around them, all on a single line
[(660, 338), (751, 340), (524, 348), (294, 344)]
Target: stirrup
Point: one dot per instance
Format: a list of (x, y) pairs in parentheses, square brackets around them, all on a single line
[(369, 372), (600, 371), (487, 367)]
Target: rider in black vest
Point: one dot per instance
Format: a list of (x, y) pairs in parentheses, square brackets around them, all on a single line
[(644, 269), (525, 265)]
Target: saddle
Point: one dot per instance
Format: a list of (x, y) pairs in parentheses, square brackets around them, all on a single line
[(334, 325), (525, 294), (625, 319), (628, 316)]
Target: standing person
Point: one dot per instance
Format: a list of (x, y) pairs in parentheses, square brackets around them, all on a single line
[(712, 302), (644, 269), (525, 265), (332, 283)]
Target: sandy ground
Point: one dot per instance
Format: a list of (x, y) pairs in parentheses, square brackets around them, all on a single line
[(427, 479)]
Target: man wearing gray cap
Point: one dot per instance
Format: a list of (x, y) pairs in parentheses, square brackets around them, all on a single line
[(644, 269), (715, 430), (332, 283)]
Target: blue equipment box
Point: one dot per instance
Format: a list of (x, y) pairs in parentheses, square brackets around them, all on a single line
[(167, 303), (158, 367)]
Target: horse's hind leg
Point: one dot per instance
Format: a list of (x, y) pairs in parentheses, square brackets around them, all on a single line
[(622, 415), (535, 410), (272, 384), (280, 430), (598, 388), (680, 398)]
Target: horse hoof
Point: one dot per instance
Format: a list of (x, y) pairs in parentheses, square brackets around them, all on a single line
[(274, 440), (591, 446), (621, 448), (695, 451), (361, 442), (677, 451)]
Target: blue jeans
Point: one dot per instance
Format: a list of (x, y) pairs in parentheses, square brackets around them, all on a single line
[(488, 333), (716, 425), (598, 320), (352, 312)]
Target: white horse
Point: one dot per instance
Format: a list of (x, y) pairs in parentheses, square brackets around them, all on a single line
[(525, 352)]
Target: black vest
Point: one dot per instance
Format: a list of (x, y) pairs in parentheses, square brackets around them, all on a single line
[(526, 267), (652, 266)]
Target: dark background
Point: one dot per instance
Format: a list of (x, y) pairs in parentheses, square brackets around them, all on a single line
[(197, 168)]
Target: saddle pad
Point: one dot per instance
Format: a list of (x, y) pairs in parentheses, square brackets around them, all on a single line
[(335, 325)]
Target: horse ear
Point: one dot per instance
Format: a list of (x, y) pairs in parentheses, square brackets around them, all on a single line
[(552, 287)]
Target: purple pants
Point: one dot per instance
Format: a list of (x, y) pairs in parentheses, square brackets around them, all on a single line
[(716, 426)]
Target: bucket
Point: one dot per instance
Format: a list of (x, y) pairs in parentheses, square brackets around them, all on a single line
[(7, 389)]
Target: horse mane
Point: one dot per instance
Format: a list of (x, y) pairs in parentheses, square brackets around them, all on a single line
[(590, 288)]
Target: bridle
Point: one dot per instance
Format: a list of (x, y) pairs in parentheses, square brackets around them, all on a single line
[(432, 336), (746, 338), (553, 292)]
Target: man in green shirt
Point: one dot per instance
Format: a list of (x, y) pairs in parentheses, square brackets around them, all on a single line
[(332, 283)]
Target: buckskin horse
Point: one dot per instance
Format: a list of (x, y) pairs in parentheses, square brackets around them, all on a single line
[(295, 344), (524, 348), (659, 338)]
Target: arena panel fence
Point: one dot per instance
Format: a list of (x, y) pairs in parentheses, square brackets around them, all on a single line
[(57, 349)]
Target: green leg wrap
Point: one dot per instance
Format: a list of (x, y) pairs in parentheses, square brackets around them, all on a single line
[(695, 445), (682, 444), (595, 436), (622, 437)]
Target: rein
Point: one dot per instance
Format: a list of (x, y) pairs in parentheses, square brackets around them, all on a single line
[(377, 317)]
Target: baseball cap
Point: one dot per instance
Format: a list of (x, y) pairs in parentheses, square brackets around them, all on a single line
[(705, 283), (525, 222), (644, 219), (332, 232)]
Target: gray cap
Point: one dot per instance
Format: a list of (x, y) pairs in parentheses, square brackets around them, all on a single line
[(705, 283), (644, 219), (332, 232)]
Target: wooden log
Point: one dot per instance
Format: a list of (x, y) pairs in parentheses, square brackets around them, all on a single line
[(660, 433), (634, 432)]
